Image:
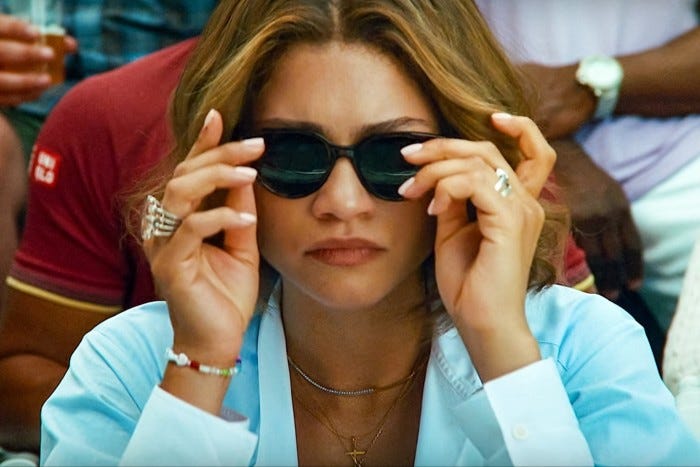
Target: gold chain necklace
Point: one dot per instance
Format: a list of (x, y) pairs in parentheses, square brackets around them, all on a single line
[(354, 452)]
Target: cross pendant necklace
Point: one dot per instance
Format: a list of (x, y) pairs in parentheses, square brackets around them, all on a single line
[(356, 454)]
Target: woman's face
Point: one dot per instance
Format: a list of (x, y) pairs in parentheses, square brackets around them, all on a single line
[(340, 245)]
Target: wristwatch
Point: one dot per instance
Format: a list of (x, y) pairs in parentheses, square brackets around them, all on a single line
[(603, 75)]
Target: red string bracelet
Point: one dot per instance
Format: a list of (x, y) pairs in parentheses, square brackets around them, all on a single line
[(180, 359)]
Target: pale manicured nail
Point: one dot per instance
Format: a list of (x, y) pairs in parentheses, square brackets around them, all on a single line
[(246, 172), (247, 218), (406, 185), (411, 148), (207, 120), (502, 116), (253, 142), (431, 207)]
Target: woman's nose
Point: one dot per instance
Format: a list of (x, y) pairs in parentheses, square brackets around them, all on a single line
[(343, 196)]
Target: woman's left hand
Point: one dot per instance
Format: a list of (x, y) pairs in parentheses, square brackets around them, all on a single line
[(482, 267)]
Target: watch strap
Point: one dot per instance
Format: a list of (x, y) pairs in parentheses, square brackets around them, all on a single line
[(607, 101)]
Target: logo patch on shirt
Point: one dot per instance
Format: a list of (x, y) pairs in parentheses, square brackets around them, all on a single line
[(44, 166)]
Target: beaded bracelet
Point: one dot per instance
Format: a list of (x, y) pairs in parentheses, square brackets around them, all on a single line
[(180, 359)]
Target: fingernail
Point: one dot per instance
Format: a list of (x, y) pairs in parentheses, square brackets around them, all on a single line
[(46, 52), (611, 295), (207, 120), (43, 80), (247, 218), (253, 142), (32, 30), (431, 207), (502, 116), (246, 172), (406, 185), (411, 149)]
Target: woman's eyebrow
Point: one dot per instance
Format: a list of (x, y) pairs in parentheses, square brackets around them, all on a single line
[(387, 126), (394, 125), (290, 124)]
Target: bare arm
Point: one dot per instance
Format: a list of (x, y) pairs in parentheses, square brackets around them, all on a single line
[(660, 82), (601, 219), (13, 188), (664, 81), (37, 337)]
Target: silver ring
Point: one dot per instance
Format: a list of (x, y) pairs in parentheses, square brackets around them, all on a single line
[(502, 185), (156, 221)]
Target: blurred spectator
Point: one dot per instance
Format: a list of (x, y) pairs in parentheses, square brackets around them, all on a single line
[(109, 34), (634, 160), (682, 354)]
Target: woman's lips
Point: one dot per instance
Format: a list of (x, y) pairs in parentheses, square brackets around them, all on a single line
[(350, 252)]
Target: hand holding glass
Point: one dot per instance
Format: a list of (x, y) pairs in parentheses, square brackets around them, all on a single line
[(46, 16)]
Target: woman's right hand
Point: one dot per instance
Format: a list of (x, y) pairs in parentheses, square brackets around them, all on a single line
[(211, 292)]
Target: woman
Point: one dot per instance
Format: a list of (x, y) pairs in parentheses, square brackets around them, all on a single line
[(403, 327)]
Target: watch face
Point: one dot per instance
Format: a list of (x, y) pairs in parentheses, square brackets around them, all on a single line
[(603, 75), (600, 72)]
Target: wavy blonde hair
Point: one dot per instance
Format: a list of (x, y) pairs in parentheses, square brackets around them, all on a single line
[(445, 45)]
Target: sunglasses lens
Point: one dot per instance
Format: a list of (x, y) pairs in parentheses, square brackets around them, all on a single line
[(383, 167), (294, 164)]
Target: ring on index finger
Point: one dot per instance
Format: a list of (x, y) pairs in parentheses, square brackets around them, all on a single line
[(156, 221), (502, 185)]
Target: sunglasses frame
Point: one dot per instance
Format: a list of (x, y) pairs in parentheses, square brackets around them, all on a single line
[(335, 152)]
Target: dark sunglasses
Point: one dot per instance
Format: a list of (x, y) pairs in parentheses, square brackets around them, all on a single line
[(296, 163)]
